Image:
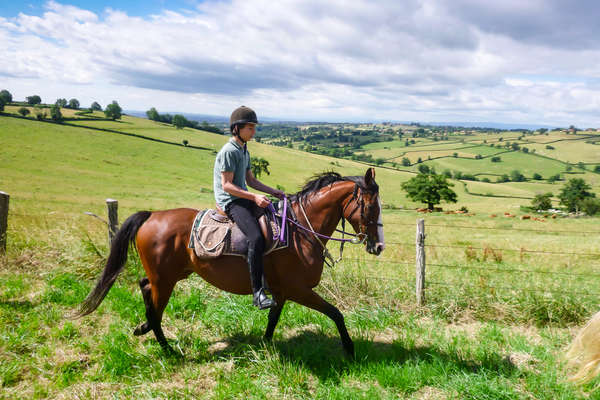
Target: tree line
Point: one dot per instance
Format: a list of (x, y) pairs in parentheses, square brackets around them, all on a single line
[(179, 121), (112, 111)]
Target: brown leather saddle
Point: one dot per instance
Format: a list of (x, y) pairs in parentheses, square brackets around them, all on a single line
[(214, 234)]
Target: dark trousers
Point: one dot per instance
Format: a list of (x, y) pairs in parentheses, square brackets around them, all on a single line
[(245, 214)]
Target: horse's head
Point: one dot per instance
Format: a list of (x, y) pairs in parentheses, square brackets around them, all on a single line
[(363, 211)]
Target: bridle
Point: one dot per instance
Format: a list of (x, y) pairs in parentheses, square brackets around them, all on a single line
[(358, 238), (357, 195)]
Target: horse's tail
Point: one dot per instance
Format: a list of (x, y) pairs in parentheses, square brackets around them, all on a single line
[(115, 263), (584, 352)]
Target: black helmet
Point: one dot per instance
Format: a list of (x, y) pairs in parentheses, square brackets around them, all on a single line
[(242, 115)]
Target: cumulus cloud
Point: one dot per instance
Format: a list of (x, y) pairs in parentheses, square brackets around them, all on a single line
[(427, 60)]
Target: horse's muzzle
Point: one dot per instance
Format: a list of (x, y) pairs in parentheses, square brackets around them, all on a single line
[(375, 248)]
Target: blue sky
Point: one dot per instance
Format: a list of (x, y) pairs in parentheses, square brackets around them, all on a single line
[(529, 62), (131, 7)]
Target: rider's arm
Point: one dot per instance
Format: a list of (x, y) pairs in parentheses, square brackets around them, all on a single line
[(258, 185), (232, 188)]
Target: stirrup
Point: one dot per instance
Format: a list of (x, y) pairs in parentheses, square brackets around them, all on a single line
[(261, 300)]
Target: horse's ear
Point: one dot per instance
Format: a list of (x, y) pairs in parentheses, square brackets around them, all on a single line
[(370, 176)]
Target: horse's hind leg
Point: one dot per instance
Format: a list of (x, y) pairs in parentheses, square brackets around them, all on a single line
[(144, 328), (156, 298)]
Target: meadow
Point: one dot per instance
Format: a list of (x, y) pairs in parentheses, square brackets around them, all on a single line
[(504, 296)]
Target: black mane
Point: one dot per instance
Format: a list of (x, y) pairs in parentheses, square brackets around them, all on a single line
[(319, 181)]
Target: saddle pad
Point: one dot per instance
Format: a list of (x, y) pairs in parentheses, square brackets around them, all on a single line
[(213, 236)]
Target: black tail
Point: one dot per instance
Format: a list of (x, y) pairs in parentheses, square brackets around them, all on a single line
[(115, 263)]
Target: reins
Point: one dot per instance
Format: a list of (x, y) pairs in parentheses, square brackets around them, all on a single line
[(328, 258)]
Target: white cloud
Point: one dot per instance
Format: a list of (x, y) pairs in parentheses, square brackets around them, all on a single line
[(336, 60)]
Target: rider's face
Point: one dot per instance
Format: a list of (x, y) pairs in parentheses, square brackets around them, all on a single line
[(247, 132)]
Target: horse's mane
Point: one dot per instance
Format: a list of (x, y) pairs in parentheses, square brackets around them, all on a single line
[(319, 181)]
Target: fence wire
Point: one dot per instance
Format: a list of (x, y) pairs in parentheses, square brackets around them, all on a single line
[(429, 283), (501, 229)]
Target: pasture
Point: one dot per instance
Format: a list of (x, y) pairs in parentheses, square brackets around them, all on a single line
[(504, 296)]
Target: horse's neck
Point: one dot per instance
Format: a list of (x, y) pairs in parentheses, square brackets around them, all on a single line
[(324, 209)]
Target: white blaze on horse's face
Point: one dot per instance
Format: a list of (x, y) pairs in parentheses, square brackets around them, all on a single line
[(380, 245)]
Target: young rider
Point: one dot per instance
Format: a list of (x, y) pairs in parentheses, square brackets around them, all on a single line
[(231, 173)]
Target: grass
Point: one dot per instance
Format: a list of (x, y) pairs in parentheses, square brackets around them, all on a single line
[(503, 298)]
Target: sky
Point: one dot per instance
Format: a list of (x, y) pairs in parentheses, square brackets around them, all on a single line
[(510, 61)]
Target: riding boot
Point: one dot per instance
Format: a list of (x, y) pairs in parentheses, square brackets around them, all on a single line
[(260, 299)]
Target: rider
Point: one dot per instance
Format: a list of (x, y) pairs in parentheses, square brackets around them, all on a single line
[(231, 173)]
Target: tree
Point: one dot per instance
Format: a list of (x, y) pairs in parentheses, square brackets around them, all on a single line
[(179, 121), (429, 189), (1, 104), (405, 162), (74, 104), (537, 176), (96, 107), (423, 169), (5, 96), (517, 176), (61, 102), (33, 100), (258, 166), (542, 201), (153, 115), (55, 113), (574, 191), (113, 111), (23, 111)]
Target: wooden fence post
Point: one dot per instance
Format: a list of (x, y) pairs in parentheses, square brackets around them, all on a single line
[(113, 218), (420, 263), (4, 197)]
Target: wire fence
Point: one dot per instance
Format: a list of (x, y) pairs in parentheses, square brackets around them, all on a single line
[(485, 271)]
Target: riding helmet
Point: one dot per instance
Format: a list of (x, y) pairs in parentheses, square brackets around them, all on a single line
[(242, 115)]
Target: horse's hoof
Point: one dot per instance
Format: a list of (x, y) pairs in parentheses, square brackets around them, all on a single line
[(142, 329)]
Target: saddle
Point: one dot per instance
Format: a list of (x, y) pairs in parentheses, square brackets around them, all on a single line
[(214, 235)]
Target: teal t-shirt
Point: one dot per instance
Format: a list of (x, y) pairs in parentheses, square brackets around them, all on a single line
[(231, 158)]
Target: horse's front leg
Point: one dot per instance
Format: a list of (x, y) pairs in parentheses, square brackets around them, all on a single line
[(312, 300), (274, 314)]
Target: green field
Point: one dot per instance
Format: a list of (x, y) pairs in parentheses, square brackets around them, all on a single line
[(504, 296)]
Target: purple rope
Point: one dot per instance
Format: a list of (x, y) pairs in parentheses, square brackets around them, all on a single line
[(286, 218)]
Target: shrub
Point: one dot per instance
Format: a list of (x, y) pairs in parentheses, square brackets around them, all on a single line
[(549, 147), (554, 178), (597, 168), (406, 162), (55, 113), (503, 178), (478, 157), (537, 176), (542, 201), (185, 142), (24, 111), (41, 116), (496, 159), (590, 205), (517, 176)]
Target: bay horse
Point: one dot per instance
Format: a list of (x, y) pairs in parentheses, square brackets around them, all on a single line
[(162, 237)]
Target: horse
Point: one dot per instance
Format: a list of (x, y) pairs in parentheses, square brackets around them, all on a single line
[(584, 352), (161, 239)]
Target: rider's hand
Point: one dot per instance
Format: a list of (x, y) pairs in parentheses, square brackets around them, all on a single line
[(278, 193), (261, 200)]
